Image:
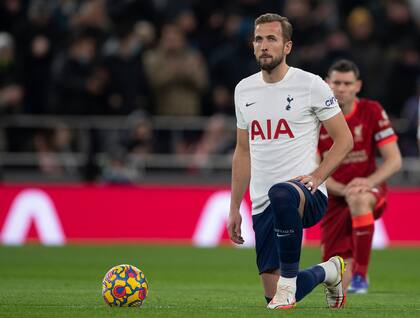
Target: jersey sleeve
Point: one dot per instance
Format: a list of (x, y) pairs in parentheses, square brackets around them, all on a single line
[(240, 120), (323, 102), (383, 131)]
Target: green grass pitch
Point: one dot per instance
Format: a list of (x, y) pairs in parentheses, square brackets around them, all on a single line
[(38, 281)]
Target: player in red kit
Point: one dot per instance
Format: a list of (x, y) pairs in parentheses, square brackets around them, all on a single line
[(356, 190)]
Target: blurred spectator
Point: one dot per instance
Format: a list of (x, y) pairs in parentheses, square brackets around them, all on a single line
[(55, 150), (365, 51), (211, 31), (410, 119), (39, 38), (92, 15), (146, 33), (128, 87), (415, 10), (231, 61), (140, 140), (91, 57), (418, 128), (397, 24), (80, 81), (11, 90), (125, 158), (12, 14), (222, 101), (187, 22), (63, 12), (254, 8), (308, 35), (336, 46), (130, 11), (116, 169), (177, 74), (217, 139), (401, 76)]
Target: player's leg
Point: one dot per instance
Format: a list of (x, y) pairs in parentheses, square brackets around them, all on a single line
[(269, 281), (329, 273), (337, 235), (293, 208), (266, 251), (287, 203), (361, 207), (268, 260)]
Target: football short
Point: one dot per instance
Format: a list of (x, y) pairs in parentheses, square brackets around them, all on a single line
[(263, 223), (336, 225)]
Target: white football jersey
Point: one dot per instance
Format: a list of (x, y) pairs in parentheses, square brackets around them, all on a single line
[(283, 123)]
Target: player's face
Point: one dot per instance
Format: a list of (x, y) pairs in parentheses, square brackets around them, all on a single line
[(345, 86), (269, 47)]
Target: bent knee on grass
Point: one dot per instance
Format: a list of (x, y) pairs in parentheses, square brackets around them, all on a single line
[(361, 203)]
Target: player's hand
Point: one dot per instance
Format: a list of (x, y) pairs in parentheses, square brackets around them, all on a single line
[(358, 185), (361, 182), (311, 182), (234, 227), (354, 189)]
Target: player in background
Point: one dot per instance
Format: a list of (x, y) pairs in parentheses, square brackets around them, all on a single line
[(279, 113), (357, 190)]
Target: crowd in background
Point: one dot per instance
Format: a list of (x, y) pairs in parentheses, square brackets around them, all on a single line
[(184, 58)]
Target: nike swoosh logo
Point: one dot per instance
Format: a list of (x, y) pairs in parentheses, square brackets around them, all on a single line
[(249, 104)]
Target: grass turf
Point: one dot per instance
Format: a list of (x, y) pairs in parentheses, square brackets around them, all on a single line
[(38, 281)]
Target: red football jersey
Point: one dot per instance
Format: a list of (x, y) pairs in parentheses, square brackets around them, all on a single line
[(371, 128)]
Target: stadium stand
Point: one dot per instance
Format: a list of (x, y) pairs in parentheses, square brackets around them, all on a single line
[(142, 91)]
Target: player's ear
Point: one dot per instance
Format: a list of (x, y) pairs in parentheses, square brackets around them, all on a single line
[(358, 86), (288, 47)]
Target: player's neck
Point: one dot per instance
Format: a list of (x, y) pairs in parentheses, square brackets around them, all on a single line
[(348, 108), (277, 74)]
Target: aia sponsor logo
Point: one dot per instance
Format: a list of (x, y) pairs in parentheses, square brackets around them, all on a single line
[(268, 131)]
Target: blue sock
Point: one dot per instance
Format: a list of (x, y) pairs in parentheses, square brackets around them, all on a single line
[(308, 280), (284, 199)]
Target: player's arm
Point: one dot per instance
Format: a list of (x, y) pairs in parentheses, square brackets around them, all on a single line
[(392, 162), (241, 174), (334, 187), (339, 132)]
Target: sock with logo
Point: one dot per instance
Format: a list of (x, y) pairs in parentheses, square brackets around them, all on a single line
[(288, 230), (363, 228)]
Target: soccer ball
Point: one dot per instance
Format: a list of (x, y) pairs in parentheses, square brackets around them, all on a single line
[(124, 286)]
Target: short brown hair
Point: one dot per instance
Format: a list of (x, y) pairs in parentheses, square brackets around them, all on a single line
[(286, 27), (344, 66)]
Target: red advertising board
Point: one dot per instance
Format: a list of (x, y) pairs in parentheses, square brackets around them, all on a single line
[(168, 214)]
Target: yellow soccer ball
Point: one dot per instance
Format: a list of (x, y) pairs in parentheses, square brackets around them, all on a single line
[(124, 286)]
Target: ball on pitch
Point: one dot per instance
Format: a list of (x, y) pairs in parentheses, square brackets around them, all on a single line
[(124, 286)]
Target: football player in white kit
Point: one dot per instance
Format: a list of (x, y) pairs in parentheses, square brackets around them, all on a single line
[(279, 111)]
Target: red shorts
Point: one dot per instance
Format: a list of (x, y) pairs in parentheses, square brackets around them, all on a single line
[(336, 225)]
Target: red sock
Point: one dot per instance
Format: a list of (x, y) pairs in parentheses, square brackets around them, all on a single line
[(363, 228)]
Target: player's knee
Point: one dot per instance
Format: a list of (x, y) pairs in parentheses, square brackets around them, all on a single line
[(284, 194), (358, 201)]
